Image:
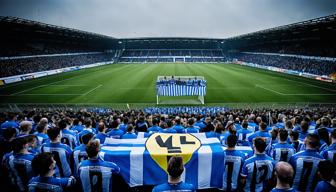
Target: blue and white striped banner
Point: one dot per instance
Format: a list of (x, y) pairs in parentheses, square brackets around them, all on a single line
[(138, 166), (180, 90)]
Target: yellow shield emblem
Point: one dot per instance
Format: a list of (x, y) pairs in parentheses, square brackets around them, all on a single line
[(162, 146)]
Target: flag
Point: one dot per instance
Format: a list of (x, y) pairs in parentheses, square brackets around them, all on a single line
[(143, 161)]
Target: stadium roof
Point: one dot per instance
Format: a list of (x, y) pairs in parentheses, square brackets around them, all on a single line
[(314, 29)]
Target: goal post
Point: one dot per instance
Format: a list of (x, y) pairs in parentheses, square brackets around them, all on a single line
[(174, 86)]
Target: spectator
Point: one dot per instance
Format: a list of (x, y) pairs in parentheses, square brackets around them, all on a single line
[(257, 170), (191, 128), (25, 128), (284, 173), (243, 134), (130, 133), (68, 137), (282, 151), (155, 128), (178, 127), (98, 168), (115, 133), (296, 143), (20, 165), (234, 160), (261, 133), (305, 162), (43, 165), (329, 152), (79, 153), (175, 169), (326, 171), (62, 153), (101, 136)]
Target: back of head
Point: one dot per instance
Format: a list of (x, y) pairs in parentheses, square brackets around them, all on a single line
[(178, 121), (244, 124), (191, 122), (284, 172), (75, 122), (175, 166), (88, 123), (25, 126), (260, 144), (41, 127), (9, 133), (86, 138), (62, 124), (93, 148), (326, 169), (169, 123), (289, 124), (130, 128), (294, 135), (323, 135), (304, 126), (53, 133), (312, 141), (42, 162), (101, 126), (283, 135), (155, 121), (19, 143), (232, 141), (262, 126)]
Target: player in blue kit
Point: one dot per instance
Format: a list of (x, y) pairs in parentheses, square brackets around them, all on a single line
[(101, 135), (191, 128), (96, 174), (62, 153), (79, 153), (326, 171), (258, 169), (68, 137), (330, 152), (284, 173), (305, 164), (130, 133), (234, 161), (243, 134), (19, 163), (282, 151), (155, 128), (261, 133), (175, 169), (178, 127), (44, 165)]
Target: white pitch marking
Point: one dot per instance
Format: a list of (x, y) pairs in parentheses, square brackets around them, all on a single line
[(271, 90), (289, 94), (92, 90)]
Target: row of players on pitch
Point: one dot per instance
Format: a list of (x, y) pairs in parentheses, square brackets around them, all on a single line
[(248, 172), (179, 81)]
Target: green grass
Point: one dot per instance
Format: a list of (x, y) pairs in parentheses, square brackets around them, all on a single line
[(135, 83)]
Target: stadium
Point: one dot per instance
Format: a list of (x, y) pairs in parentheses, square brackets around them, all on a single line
[(83, 111)]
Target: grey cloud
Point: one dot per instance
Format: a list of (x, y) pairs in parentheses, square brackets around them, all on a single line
[(168, 18)]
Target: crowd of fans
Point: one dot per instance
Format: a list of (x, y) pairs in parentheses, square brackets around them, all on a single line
[(312, 66), (309, 49), (53, 150), (11, 67), (12, 49)]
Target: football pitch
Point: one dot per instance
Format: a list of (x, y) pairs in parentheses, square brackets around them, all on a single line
[(135, 83)]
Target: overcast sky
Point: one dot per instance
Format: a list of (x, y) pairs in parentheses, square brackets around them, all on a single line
[(168, 18)]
